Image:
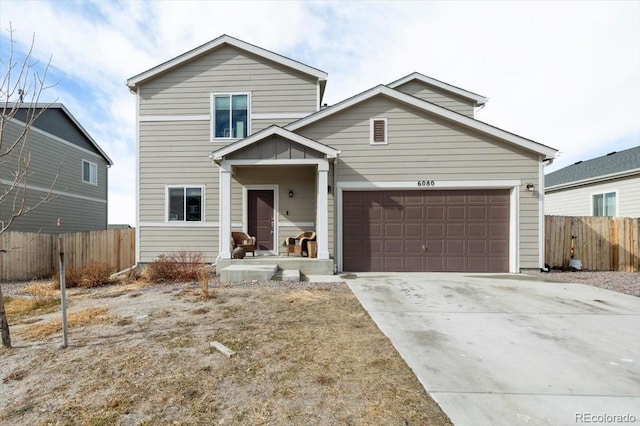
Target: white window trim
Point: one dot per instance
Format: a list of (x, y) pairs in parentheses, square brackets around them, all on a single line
[(371, 131), (603, 192), (184, 222), (213, 114), (91, 165)]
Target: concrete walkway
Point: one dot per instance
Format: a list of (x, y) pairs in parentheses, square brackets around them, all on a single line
[(510, 349)]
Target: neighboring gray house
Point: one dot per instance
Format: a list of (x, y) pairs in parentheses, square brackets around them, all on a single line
[(400, 177), (61, 151), (603, 186)]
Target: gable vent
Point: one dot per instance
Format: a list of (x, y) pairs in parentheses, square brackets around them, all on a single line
[(378, 130)]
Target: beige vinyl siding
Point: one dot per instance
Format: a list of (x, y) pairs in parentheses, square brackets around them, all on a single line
[(274, 88), (175, 153), (422, 146), (438, 96), (56, 166), (577, 201), (167, 239)]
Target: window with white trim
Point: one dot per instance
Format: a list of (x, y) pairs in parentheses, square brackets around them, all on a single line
[(185, 203), (378, 131), (89, 172), (230, 115), (604, 204)]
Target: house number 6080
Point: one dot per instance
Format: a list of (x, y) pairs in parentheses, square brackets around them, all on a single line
[(426, 183)]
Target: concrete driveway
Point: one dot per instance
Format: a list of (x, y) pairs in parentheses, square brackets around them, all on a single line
[(511, 349)]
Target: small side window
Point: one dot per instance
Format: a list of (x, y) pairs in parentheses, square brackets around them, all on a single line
[(604, 204), (378, 131), (89, 172), (184, 204)]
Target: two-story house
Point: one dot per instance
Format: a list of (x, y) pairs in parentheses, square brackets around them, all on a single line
[(65, 166), (608, 185), (400, 177)]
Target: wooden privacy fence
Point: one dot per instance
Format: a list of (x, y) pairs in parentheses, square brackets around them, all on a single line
[(30, 255), (600, 243)]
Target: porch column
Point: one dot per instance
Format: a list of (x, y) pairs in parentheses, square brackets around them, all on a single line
[(225, 211), (322, 211)]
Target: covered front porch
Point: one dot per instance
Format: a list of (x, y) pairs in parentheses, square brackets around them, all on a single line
[(274, 185)]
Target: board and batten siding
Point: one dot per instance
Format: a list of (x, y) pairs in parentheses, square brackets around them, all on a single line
[(438, 96), (80, 206), (423, 146), (576, 201), (187, 89)]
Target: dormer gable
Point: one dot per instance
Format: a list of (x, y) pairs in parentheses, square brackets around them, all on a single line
[(440, 93)]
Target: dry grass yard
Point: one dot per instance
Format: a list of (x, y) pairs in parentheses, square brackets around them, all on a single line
[(141, 355)]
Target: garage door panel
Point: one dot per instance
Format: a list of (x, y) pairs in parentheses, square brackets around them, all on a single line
[(435, 264), (499, 212), (476, 247), (413, 264), (455, 264), (435, 230), (414, 230), (477, 213), (477, 230), (435, 246), (463, 230), (413, 213), (456, 213), (477, 264), (434, 213), (455, 230)]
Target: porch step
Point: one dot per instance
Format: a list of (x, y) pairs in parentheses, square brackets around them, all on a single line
[(291, 275), (246, 272)]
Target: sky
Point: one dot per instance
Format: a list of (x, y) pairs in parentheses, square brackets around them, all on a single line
[(564, 74)]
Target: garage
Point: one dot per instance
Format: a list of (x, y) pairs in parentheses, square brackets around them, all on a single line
[(426, 230)]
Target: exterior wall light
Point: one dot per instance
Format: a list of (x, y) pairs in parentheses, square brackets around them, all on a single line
[(530, 187), (290, 193)]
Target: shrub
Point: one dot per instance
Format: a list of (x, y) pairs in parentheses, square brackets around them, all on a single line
[(179, 266), (95, 274), (161, 270), (92, 275)]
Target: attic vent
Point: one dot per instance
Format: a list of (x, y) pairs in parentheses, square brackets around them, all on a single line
[(577, 162), (378, 131), (611, 153)]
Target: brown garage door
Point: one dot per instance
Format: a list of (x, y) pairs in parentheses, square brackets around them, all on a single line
[(455, 231)]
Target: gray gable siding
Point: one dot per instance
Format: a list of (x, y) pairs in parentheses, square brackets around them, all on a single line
[(56, 122), (275, 148), (618, 162), (274, 88), (438, 96), (51, 160)]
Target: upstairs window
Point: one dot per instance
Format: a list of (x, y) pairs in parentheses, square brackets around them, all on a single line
[(230, 116), (378, 131), (604, 204), (184, 204), (89, 172)]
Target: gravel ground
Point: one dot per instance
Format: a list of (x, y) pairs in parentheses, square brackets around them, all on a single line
[(622, 282)]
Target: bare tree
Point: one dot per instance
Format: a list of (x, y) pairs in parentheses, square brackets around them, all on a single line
[(22, 81)]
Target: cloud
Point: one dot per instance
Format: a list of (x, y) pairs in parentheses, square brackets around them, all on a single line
[(566, 74)]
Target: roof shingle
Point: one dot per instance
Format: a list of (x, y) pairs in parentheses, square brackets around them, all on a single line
[(615, 162)]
